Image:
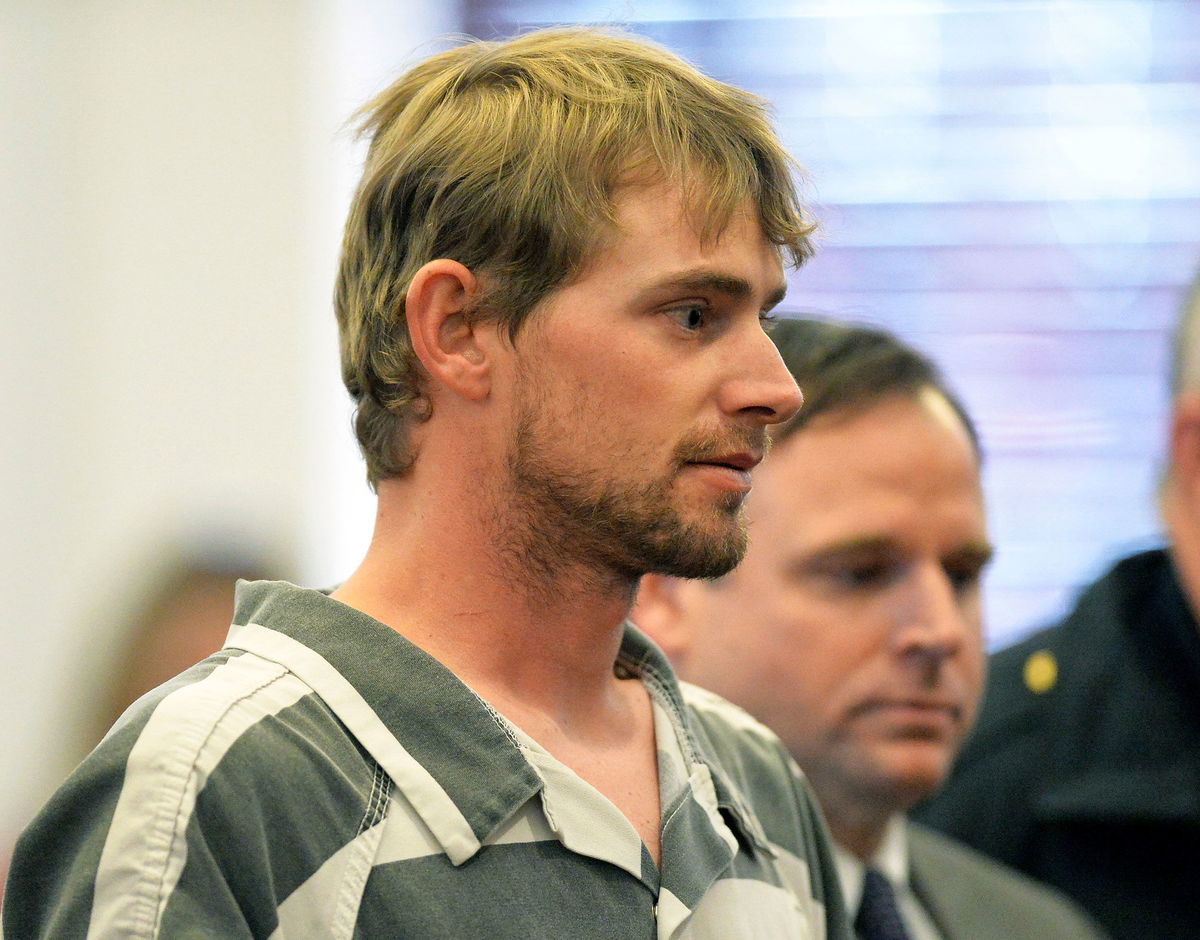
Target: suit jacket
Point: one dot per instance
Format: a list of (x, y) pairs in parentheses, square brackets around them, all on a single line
[(1083, 770), (971, 897)]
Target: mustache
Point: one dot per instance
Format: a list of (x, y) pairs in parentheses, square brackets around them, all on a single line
[(706, 446)]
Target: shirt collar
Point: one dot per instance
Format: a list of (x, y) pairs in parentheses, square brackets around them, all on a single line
[(891, 859), (457, 749), (642, 657), (436, 733)]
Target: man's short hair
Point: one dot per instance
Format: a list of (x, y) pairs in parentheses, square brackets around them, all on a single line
[(848, 368), (506, 157)]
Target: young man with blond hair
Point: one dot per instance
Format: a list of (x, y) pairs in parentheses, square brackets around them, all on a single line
[(553, 284)]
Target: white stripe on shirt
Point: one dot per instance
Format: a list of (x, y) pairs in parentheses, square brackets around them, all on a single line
[(185, 738), (437, 810)]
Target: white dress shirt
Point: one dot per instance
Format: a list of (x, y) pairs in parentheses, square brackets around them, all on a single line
[(892, 861)]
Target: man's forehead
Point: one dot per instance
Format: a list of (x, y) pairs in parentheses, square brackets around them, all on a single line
[(838, 466), (864, 408), (654, 249), (655, 198)]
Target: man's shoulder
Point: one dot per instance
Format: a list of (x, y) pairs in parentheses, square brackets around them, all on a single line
[(973, 895), (1098, 617), (1018, 679), (235, 723), (765, 781), (750, 757), (1044, 695), (208, 709), (1031, 679), (214, 768), (723, 717), (743, 745)]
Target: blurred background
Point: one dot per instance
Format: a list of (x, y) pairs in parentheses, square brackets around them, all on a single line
[(1014, 186)]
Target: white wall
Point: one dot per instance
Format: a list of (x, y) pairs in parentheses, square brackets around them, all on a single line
[(172, 181)]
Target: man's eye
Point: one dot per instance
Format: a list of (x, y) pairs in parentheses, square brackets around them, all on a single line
[(690, 316), (859, 577), (864, 575), (964, 578)]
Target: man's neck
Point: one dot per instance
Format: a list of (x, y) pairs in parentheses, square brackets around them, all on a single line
[(543, 658), (859, 829), (434, 574)]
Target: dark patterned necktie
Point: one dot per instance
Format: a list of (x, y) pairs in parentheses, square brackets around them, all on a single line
[(878, 916)]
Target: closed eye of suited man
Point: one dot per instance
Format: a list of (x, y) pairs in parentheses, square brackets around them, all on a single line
[(853, 628)]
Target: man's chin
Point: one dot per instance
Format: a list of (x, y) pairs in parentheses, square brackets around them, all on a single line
[(915, 776), (701, 555), (707, 570)]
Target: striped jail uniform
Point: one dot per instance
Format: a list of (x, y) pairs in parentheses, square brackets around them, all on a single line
[(322, 777)]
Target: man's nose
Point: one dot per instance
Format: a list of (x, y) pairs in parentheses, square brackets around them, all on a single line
[(762, 388), (933, 620)]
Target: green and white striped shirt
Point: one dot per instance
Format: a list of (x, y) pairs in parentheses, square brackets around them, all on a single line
[(323, 777)]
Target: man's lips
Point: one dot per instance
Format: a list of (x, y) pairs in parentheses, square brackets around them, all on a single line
[(913, 711), (741, 460), (727, 471)]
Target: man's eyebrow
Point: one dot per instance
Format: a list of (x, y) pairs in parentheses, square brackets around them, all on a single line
[(865, 543), (736, 288), (981, 552), (817, 556)]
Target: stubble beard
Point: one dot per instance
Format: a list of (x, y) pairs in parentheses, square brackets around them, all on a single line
[(563, 514)]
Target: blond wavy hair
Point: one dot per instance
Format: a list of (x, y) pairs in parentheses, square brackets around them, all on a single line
[(505, 157)]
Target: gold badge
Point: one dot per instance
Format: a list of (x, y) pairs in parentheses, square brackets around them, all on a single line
[(1041, 671)]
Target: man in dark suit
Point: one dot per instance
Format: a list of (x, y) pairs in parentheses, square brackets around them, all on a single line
[(1084, 769), (853, 629)]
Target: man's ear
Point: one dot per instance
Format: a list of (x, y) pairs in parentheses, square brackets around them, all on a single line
[(662, 613), (451, 346), (1185, 450), (1181, 493)]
